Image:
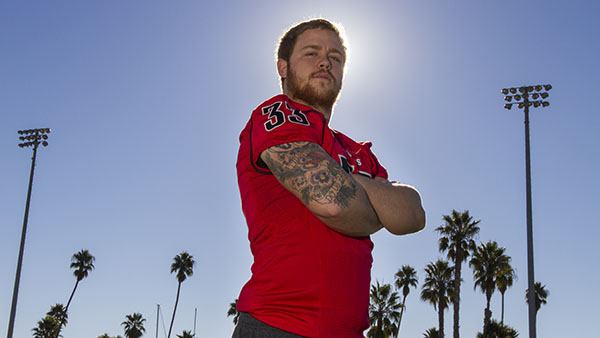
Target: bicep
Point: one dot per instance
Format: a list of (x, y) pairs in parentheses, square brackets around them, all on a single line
[(307, 171)]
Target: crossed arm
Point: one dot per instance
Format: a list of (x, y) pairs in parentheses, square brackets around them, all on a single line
[(350, 204)]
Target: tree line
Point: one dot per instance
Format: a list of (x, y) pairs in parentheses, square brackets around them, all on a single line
[(83, 263), (491, 268), (441, 287)]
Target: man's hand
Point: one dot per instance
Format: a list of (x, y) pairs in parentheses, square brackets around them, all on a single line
[(309, 173), (398, 206)]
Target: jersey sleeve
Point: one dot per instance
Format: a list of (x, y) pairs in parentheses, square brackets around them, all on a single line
[(279, 121)]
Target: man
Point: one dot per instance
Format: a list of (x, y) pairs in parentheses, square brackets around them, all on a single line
[(312, 197)]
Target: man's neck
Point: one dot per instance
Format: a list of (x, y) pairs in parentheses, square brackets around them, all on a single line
[(325, 111)]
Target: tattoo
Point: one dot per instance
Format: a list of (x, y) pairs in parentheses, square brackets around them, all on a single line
[(306, 168)]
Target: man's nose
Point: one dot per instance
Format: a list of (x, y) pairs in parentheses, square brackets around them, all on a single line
[(325, 63)]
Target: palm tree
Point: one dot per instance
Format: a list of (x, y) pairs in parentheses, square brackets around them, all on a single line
[(437, 289), (487, 261), (134, 325), (59, 312), (498, 330), (233, 311), (405, 278), (48, 327), (183, 265), (457, 237), (107, 336), (431, 333), (504, 280), (540, 295), (83, 263), (383, 311), (186, 334)]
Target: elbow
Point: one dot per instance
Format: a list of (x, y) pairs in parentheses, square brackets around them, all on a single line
[(420, 219), (346, 221), (326, 211), (418, 215), (415, 222), (410, 215)]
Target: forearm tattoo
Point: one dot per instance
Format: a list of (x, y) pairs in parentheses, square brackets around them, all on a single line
[(311, 172)]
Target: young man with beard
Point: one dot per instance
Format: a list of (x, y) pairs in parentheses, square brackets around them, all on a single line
[(312, 197)]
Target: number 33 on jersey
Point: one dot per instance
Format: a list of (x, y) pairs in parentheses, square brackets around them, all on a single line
[(277, 117)]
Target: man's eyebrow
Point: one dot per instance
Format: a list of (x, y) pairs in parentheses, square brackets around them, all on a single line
[(335, 50)]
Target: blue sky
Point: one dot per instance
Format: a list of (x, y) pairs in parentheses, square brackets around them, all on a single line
[(146, 101)]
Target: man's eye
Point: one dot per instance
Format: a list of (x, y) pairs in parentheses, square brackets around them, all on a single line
[(336, 58)]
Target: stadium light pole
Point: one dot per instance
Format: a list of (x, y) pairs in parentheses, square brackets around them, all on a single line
[(30, 138), (525, 97)]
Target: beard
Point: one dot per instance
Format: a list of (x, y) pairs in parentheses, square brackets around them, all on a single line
[(322, 98)]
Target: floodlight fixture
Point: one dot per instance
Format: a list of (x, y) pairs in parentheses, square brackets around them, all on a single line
[(33, 137)]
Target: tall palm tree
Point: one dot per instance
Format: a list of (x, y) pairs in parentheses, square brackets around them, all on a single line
[(134, 325), (48, 327), (186, 334), (107, 336), (437, 288), (487, 261), (59, 312), (405, 278), (504, 280), (540, 295), (183, 266), (83, 263), (383, 311), (458, 239), (233, 311)]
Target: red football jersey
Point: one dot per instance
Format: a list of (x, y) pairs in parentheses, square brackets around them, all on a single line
[(306, 278)]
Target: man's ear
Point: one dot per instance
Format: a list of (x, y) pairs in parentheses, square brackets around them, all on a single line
[(282, 67)]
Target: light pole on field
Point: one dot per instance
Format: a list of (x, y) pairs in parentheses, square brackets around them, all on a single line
[(525, 97), (29, 138)]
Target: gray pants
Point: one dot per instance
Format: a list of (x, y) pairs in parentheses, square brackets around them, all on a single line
[(250, 327)]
